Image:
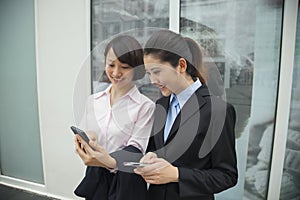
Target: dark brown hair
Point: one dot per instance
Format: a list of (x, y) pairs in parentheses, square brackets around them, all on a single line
[(197, 58), (168, 46), (128, 50)]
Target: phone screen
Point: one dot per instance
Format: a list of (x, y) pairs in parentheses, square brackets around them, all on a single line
[(135, 164)]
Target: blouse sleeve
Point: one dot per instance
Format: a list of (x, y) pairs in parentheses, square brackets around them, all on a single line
[(142, 127)]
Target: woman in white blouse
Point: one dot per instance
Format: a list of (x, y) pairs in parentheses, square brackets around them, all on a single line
[(118, 122)]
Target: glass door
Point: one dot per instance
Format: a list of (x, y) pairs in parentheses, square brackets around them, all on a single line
[(241, 38)]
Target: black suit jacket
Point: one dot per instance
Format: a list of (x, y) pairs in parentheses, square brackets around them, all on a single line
[(201, 144)]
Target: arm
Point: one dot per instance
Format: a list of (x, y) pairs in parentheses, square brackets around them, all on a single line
[(142, 127), (198, 181), (136, 145), (223, 172)]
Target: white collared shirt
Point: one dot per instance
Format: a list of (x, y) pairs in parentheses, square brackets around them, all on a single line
[(127, 122), (184, 95)]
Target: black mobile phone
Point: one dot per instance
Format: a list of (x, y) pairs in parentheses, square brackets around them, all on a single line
[(81, 133)]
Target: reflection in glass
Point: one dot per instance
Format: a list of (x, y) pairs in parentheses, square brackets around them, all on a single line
[(241, 38), (111, 17), (290, 185)]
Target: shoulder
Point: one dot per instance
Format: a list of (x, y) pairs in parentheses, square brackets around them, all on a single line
[(222, 108), (216, 103), (144, 99), (143, 102)]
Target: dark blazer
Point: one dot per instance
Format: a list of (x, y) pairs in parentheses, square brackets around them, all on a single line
[(201, 144)]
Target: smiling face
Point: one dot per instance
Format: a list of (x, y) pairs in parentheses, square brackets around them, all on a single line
[(162, 74), (119, 74)]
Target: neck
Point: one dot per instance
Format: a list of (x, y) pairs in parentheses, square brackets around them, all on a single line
[(185, 83), (116, 93)]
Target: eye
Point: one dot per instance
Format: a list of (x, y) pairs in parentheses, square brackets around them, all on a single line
[(111, 65), (125, 67), (156, 72)]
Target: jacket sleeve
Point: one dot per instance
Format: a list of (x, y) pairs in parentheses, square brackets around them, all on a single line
[(223, 171)]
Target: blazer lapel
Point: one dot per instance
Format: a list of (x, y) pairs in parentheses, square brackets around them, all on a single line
[(160, 116), (193, 105)]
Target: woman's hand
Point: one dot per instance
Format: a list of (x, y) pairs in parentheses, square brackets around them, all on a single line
[(92, 136), (147, 158), (159, 171), (97, 157)]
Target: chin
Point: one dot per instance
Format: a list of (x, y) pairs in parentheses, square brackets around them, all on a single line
[(166, 94)]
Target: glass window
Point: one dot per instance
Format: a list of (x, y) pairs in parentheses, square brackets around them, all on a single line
[(111, 17), (290, 185), (241, 38), (20, 143)]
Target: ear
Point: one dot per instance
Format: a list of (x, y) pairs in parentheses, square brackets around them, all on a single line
[(182, 65)]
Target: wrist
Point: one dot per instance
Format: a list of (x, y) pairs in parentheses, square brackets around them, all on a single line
[(175, 174), (112, 164)]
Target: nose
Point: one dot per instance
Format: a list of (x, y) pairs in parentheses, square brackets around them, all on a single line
[(117, 72), (153, 79)]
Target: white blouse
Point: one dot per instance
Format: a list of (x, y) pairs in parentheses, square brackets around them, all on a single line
[(127, 122)]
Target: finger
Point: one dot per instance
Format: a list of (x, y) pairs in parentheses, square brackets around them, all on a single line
[(81, 153), (78, 146), (147, 170), (84, 146), (148, 157), (152, 179)]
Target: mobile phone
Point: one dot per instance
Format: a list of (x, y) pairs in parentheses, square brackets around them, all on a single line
[(135, 164), (81, 133)]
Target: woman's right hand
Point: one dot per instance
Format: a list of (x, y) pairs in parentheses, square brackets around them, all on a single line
[(160, 171), (93, 154), (148, 157)]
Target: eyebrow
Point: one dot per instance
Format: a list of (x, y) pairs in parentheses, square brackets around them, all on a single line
[(154, 68), (110, 60)]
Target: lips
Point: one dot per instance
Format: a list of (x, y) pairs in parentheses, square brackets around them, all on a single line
[(160, 86), (117, 79)]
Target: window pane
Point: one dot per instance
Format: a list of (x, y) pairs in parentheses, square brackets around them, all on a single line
[(290, 185), (20, 143), (241, 38), (110, 17)]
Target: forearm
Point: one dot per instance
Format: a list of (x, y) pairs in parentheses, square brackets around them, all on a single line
[(193, 182), (129, 153)]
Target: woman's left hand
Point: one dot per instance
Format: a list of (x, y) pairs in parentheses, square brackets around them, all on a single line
[(97, 157), (159, 171)]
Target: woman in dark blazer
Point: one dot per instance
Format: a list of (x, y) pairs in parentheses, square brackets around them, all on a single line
[(191, 154)]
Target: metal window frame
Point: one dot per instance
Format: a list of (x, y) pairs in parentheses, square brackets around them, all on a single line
[(290, 12), (174, 15)]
